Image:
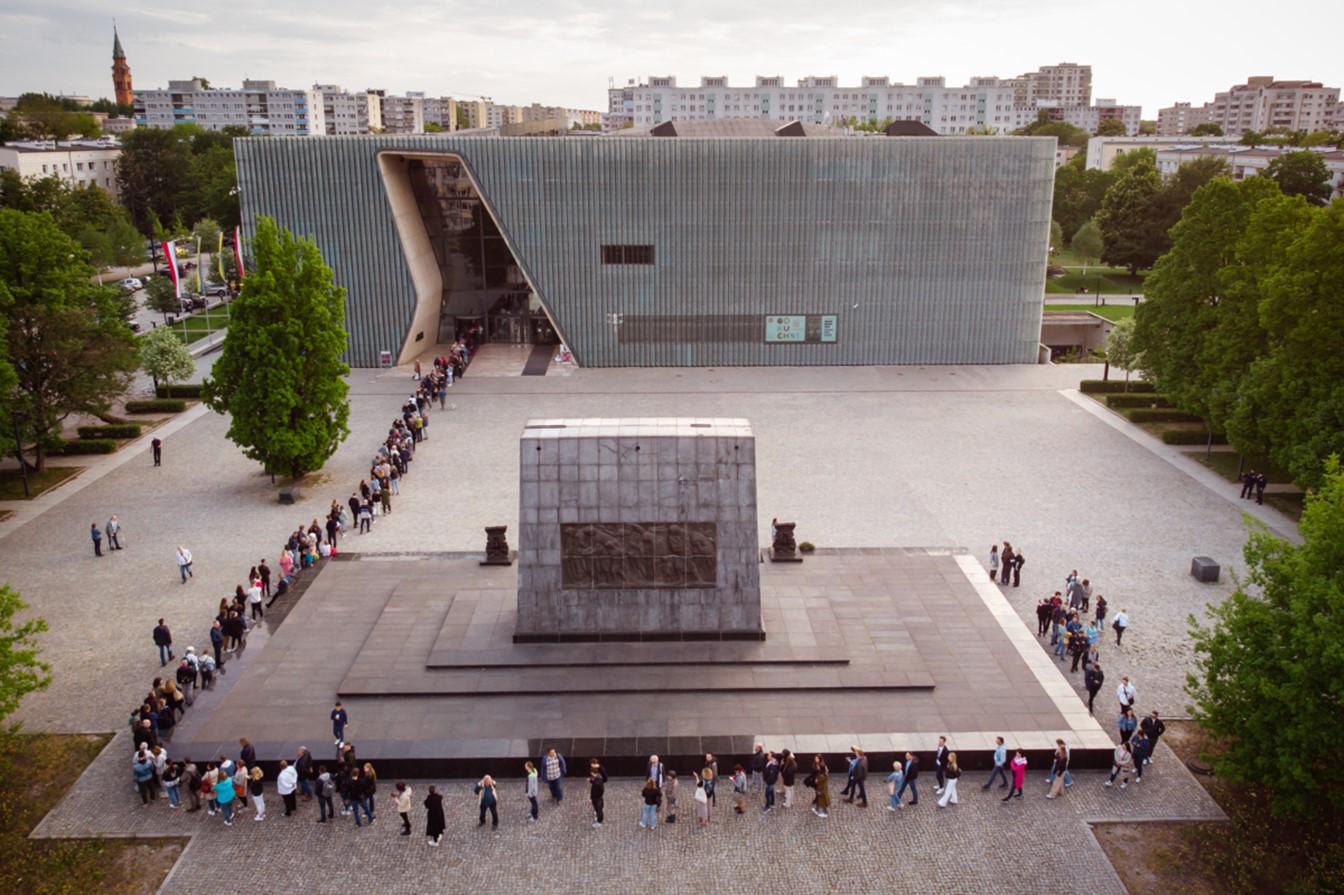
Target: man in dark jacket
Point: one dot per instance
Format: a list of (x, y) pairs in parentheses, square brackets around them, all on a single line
[(1152, 728), (307, 773), (1093, 680), (940, 765), (770, 776), (163, 639), (597, 783), (911, 775), (757, 766)]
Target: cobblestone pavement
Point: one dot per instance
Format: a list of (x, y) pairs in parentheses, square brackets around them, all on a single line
[(980, 845)]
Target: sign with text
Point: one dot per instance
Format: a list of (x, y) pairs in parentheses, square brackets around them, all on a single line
[(813, 328)]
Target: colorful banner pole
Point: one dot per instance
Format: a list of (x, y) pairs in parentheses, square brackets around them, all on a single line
[(238, 250), (219, 259), (199, 286), (170, 256)]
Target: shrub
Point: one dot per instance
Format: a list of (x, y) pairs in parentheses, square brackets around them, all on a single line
[(807, 547), (1160, 415), (129, 430), (181, 390), (1144, 399), (64, 448), (157, 405), (1110, 386), (1190, 436)]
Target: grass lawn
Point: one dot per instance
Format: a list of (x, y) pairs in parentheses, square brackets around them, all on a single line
[(198, 326), (1106, 280), (1112, 312), (11, 480), (1252, 854), (35, 771), (1225, 464)]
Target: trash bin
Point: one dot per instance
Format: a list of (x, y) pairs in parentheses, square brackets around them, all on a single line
[(385, 359)]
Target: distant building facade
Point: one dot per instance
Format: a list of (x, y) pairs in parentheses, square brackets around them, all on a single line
[(1102, 151), (1250, 161), (348, 114), (404, 114), (1263, 103), (985, 105), (76, 162), (260, 106), (1181, 118)]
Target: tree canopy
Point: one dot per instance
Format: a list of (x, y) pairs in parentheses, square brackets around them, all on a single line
[(21, 671), (1269, 676), (1126, 219), (1078, 192), (164, 357), (1206, 129), (67, 338), (186, 173), (1111, 127), (1301, 174), (41, 116), (280, 376)]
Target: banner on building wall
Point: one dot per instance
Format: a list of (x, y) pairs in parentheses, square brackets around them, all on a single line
[(170, 258), (238, 250)]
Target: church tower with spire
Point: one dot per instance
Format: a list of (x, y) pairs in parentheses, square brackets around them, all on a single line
[(121, 72)]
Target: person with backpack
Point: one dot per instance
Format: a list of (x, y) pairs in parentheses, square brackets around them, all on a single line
[(326, 790), (653, 797)]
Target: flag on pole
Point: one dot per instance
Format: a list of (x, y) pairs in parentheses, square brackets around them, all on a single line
[(170, 257), (199, 287), (219, 259), (238, 250)]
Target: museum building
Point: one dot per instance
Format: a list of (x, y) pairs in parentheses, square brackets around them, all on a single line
[(688, 251)]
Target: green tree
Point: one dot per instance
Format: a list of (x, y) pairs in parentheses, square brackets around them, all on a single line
[(433, 127), (1297, 386), (280, 376), (40, 116), (126, 244), (1179, 188), (1147, 128), (1207, 129), (160, 296), (463, 121), (1045, 126), (1120, 348), (1144, 156), (1087, 243), (1056, 236), (1301, 174), (1078, 192), (1126, 219), (154, 173), (1269, 666), (1111, 127), (207, 231), (164, 357), (67, 338), (21, 671)]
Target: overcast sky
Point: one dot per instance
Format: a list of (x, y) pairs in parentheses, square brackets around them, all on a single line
[(562, 52)]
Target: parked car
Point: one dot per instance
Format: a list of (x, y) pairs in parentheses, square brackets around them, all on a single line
[(130, 284), (217, 290)]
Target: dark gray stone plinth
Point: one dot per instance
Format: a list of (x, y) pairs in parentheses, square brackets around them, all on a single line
[(1204, 570), (290, 494)]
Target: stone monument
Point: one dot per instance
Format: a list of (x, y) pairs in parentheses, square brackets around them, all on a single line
[(638, 529)]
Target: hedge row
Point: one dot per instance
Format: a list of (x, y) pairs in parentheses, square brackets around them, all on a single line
[(1108, 386), (128, 430), (1147, 399), (83, 446), (1160, 415), (157, 405), (182, 390), (1190, 436)]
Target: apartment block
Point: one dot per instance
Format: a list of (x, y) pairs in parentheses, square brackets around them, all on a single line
[(404, 114), (260, 106), (76, 162), (1181, 119), (346, 114), (1263, 103)]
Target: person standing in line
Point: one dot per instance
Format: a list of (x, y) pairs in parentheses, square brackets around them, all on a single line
[(1093, 680), (769, 777), (822, 782), (1059, 766), (1153, 728), (1125, 693), (401, 799), (652, 796), (894, 780), (224, 796), (654, 769), (1127, 724), (1140, 748), (113, 533), (1043, 612), (435, 823), (701, 801), (712, 765), (303, 765), (265, 572), (1122, 762), (739, 789), (486, 799), (172, 781), (757, 767), (910, 778), (184, 563), (670, 795), (97, 539), (217, 642), (553, 772), (326, 791), (788, 775), (1000, 764), (285, 785), (1018, 562), (163, 639), (530, 791), (339, 719), (950, 773), (142, 770), (1007, 559), (1078, 647), (597, 789), (1087, 595), (191, 780), (1101, 611), (1068, 778), (1120, 624), (257, 791), (1019, 775), (940, 765), (993, 562), (360, 791)]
